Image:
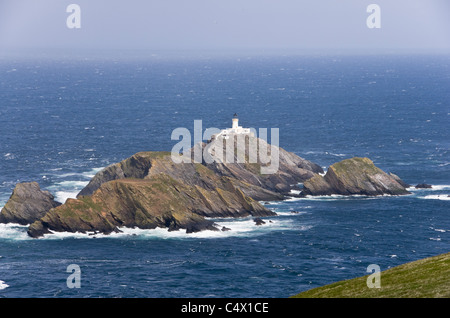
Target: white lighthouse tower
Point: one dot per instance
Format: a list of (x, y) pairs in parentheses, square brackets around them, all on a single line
[(234, 130), (235, 124)]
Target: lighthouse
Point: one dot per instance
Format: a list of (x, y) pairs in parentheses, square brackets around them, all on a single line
[(234, 130), (235, 124)]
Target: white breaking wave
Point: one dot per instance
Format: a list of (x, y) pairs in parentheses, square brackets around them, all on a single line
[(444, 197), (68, 189), (434, 187), (237, 228), (62, 196), (440, 187), (3, 285), (86, 174), (13, 231), (70, 184), (335, 197)]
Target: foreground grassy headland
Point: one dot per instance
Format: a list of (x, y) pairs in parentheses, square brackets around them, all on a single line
[(425, 278)]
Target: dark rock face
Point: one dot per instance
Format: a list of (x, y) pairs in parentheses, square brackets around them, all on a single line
[(156, 201), (27, 204), (353, 176), (258, 221), (289, 169), (423, 186), (149, 190)]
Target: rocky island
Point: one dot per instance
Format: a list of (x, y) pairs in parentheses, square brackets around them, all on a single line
[(27, 204), (354, 176), (150, 190)]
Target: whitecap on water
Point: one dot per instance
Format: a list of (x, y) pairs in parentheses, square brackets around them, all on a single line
[(237, 228), (439, 187), (9, 156), (62, 196), (443, 197), (3, 285), (13, 231), (66, 189), (434, 187), (335, 197)]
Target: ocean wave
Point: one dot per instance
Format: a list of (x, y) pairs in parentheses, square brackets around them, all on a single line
[(443, 197), (321, 152), (62, 196), (13, 231), (335, 197), (3, 285), (66, 189), (69, 184), (434, 187), (290, 213), (9, 156), (84, 174), (237, 228)]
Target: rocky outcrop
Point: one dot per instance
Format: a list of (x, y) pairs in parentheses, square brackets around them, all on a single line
[(353, 176), (149, 190), (27, 204), (286, 169), (156, 201), (290, 169), (423, 186)]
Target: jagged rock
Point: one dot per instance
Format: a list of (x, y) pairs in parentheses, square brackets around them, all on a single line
[(288, 169), (291, 169), (258, 221), (27, 204), (353, 176), (150, 190), (156, 201), (423, 186)]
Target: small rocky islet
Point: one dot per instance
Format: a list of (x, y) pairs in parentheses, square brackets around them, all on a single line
[(149, 190)]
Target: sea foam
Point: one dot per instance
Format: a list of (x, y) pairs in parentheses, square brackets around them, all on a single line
[(245, 227), (443, 197), (3, 285), (13, 231)]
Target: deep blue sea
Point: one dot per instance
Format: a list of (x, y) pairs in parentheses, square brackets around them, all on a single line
[(62, 120)]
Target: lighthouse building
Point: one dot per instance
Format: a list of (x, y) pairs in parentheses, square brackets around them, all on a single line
[(234, 130)]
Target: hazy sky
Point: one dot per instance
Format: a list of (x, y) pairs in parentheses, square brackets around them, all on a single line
[(300, 25)]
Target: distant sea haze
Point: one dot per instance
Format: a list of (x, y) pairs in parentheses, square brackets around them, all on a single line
[(63, 121)]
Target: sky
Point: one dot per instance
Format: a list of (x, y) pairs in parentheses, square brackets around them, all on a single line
[(226, 25)]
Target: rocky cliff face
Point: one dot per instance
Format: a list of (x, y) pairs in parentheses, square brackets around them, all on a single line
[(149, 190), (354, 176), (27, 204), (288, 168), (157, 201)]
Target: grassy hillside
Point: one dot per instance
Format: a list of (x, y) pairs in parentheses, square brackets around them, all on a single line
[(429, 278)]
